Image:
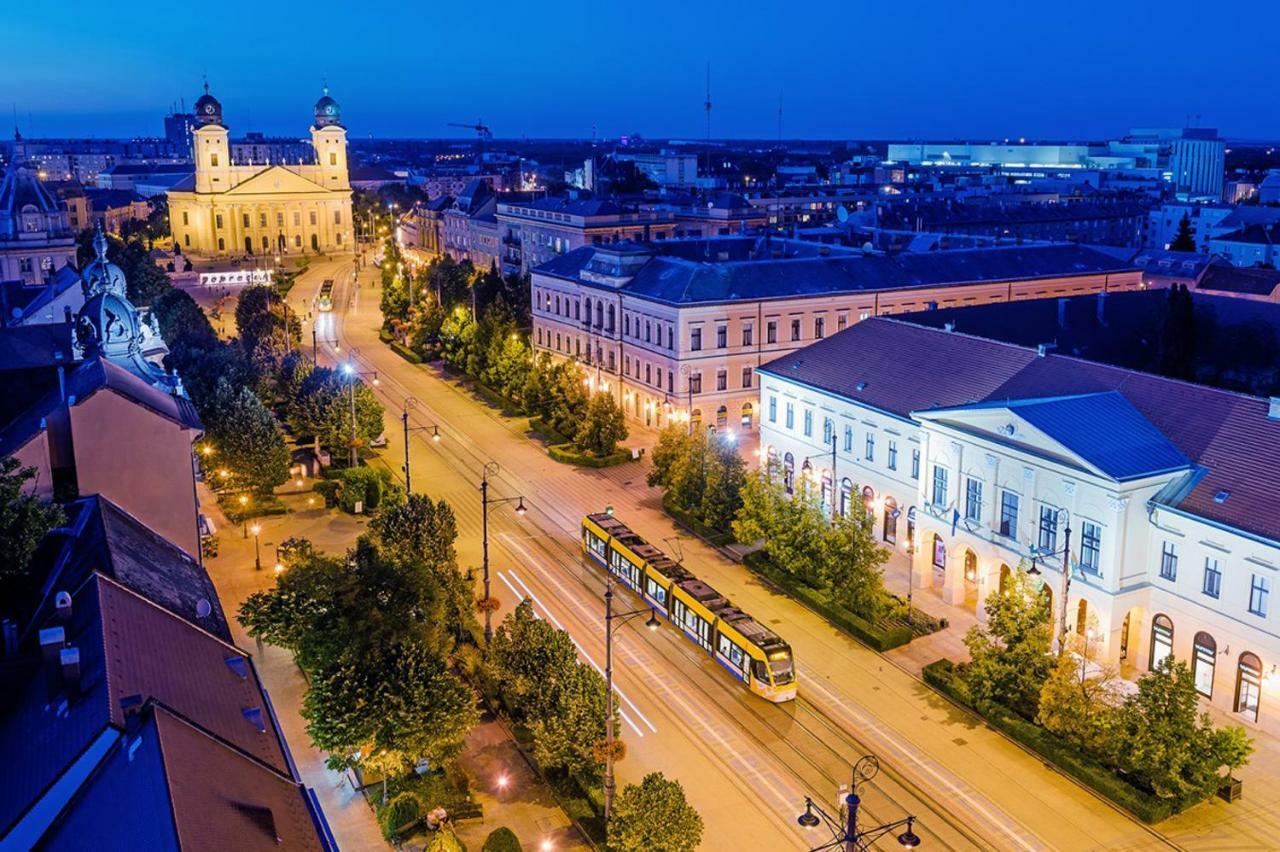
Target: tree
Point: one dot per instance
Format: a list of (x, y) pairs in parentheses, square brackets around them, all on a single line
[(724, 475), (1166, 745), (1079, 700), (444, 840), (458, 339), (394, 703), (568, 398), (182, 322), (502, 839), (405, 809), (633, 826), (262, 318), (25, 520), (603, 426), (247, 440), (1178, 347), (672, 446), (855, 563), (530, 658), (323, 409), (568, 738), (1009, 655), (791, 527), (1185, 239)]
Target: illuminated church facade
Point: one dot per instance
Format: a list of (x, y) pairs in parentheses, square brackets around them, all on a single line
[(229, 209)]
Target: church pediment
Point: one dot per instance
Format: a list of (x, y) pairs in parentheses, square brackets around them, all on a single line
[(274, 180)]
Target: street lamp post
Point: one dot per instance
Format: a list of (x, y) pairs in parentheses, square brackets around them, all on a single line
[(412, 402), (687, 373), (832, 454), (911, 569), (490, 469), (848, 835), (257, 548), (610, 785)]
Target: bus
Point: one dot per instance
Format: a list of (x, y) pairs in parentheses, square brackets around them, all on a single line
[(324, 301), (751, 652)]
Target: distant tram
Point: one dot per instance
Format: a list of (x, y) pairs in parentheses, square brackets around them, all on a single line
[(748, 650), (324, 301)]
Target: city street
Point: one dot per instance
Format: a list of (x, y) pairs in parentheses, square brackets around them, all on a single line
[(746, 766)]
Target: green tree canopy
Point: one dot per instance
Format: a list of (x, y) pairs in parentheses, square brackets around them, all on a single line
[(1185, 239), (531, 659), (654, 816), (1010, 657), (25, 520), (246, 439), (603, 426), (502, 839), (322, 408)]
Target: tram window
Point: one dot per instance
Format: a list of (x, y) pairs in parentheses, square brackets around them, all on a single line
[(656, 591), (596, 544), (730, 651), (758, 671)]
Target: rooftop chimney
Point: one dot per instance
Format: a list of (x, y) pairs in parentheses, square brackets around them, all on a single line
[(62, 605), (51, 641), (70, 660)]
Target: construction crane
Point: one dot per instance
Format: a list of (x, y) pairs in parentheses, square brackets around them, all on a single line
[(482, 130)]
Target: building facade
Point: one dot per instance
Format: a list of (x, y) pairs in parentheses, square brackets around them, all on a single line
[(1198, 161), (677, 328), (36, 238), (978, 459), (230, 209)]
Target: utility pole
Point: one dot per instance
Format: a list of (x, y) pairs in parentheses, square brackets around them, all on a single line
[(490, 468)]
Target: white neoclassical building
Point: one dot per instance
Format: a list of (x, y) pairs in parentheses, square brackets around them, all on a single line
[(677, 328), (977, 456)]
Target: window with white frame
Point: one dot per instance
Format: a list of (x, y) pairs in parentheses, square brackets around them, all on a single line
[(1008, 514), (1212, 577), (1169, 561), (1259, 591), (1091, 547), (939, 485), (973, 499)]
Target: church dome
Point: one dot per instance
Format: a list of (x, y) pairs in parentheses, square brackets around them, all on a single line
[(100, 275), (327, 110), (208, 109)]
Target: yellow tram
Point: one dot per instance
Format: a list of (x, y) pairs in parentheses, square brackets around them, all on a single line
[(748, 650)]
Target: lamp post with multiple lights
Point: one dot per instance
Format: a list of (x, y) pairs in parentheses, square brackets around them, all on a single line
[(412, 402), (354, 374), (1064, 515), (612, 621), (487, 603), (848, 835)]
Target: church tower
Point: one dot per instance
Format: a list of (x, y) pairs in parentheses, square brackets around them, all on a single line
[(212, 148), (329, 138)]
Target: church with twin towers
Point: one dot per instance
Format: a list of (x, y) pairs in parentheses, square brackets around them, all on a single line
[(228, 209)]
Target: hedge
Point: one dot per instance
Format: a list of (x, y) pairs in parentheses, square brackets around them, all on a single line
[(405, 352), (686, 519), (502, 839), (566, 454), (879, 638), (1146, 806), (401, 814), (544, 431)]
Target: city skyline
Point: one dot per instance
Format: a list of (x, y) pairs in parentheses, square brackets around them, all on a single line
[(935, 77)]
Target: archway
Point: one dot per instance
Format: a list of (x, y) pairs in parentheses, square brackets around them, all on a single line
[(1204, 659), (789, 473), (1082, 616), (1161, 640), (248, 244), (868, 499), (939, 552), (890, 529), (846, 495), (1248, 686), (695, 419), (315, 243), (827, 496), (1004, 577), (970, 567), (747, 417), (722, 418)]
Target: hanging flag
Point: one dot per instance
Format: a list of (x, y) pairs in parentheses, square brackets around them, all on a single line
[(955, 520)]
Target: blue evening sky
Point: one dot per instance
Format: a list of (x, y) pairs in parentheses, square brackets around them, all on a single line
[(851, 69)]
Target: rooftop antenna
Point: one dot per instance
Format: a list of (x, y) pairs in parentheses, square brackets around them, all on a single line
[(706, 105)]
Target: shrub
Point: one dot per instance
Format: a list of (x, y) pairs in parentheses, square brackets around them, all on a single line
[(364, 485), (402, 811), (566, 454), (502, 840), (328, 489)]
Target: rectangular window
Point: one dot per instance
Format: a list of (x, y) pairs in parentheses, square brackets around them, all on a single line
[(819, 327), (808, 423), (848, 439), (333, 158), (722, 336), (1212, 577), (213, 160), (871, 447), (1008, 514), (939, 485), (722, 380), (312, 217), (795, 329), (1169, 561), (771, 332), (842, 322), (791, 416), (217, 220), (746, 377), (244, 220), (1091, 547), (1047, 540), (185, 221), (337, 217), (892, 461), (773, 409), (1259, 589), (695, 382), (746, 335), (671, 336), (671, 382), (973, 500), (695, 339), (915, 464), (262, 220), (279, 220)]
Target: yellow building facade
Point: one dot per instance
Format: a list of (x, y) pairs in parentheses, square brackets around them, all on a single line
[(236, 209)]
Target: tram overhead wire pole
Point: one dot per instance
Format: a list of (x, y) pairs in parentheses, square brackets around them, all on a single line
[(352, 371), (412, 402), (487, 603)]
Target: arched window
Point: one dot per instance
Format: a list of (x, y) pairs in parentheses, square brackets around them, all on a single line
[(599, 314), (695, 419), (747, 418), (1248, 686), (939, 552), (587, 305), (722, 418), (1161, 640), (826, 490), (868, 499), (1204, 656), (609, 327), (970, 567), (789, 473), (846, 495), (1082, 616), (890, 520), (1004, 577), (828, 430)]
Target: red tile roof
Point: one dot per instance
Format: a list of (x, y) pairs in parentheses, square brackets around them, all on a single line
[(899, 368)]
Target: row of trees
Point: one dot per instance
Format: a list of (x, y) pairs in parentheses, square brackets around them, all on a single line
[(837, 555), (1155, 736), (702, 473), (377, 632)]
